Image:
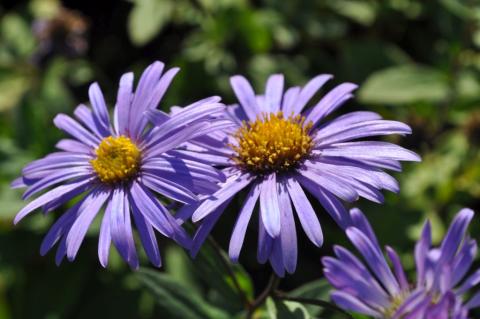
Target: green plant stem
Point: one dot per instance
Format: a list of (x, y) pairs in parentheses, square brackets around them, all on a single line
[(321, 303), (269, 289), (228, 267)]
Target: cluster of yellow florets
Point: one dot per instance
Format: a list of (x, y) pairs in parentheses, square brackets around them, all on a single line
[(118, 159), (272, 143)]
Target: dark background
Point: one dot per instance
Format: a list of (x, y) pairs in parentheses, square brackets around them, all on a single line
[(415, 61)]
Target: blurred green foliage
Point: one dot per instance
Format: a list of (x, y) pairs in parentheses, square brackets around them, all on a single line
[(416, 61)]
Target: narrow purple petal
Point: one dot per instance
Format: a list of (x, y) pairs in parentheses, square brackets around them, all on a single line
[(169, 189), (274, 92), (455, 235), (306, 214), (87, 212), (309, 90), (376, 261), (269, 206), (290, 100), (397, 268), (48, 197), (371, 149), (105, 237), (73, 128), (421, 252), (147, 237), (227, 191), (288, 234), (123, 104), (99, 107), (245, 95), (350, 303), (240, 228), (205, 228), (331, 101)]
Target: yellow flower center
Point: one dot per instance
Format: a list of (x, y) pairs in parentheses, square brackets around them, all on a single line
[(272, 143), (118, 159)]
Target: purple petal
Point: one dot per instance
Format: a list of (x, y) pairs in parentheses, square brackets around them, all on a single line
[(470, 282), (100, 110), (87, 212), (305, 212), (149, 207), (455, 235), (59, 228), (105, 238), (331, 102), (331, 182), (290, 100), (326, 137), (276, 258), (331, 204), (245, 95), (124, 103), (56, 177), (72, 127), (274, 92), (227, 191), (238, 234), (265, 242), (421, 252), (206, 227), (309, 90), (350, 303), (361, 222), (474, 302), (376, 261), (146, 84), (147, 237), (188, 115), (288, 234), (48, 197), (371, 149), (83, 113), (397, 268), (74, 146), (269, 206), (169, 189)]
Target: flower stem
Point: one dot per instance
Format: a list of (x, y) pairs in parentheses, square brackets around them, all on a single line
[(321, 303), (269, 289)]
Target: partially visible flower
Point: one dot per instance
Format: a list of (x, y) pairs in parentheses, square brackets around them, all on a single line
[(277, 149), (64, 33), (121, 163), (370, 286)]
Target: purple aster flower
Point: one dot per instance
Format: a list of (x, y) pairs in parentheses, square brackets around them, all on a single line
[(119, 165), (374, 288), (278, 149)]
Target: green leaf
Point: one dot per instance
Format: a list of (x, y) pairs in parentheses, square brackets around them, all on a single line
[(286, 310), (147, 19), (361, 12), (318, 289), (404, 84), (211, 269), (13, 86), (175, 299)]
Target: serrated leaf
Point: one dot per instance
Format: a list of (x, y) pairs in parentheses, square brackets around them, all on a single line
[(175, 299), (404, 84), (147, 19)]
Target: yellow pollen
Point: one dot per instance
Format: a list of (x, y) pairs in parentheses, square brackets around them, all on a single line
[(118, 159), (272, 143)]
